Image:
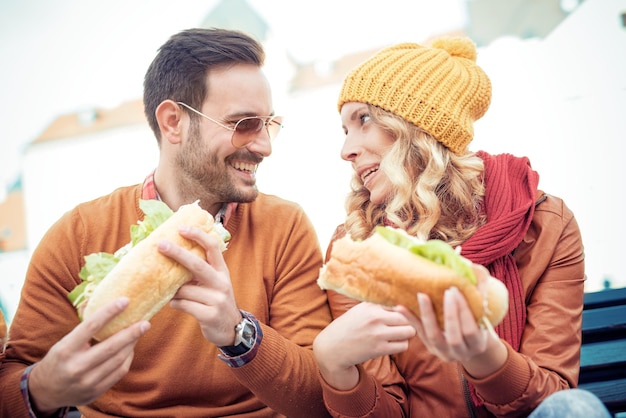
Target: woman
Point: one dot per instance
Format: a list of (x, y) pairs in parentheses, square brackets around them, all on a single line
[(408, 116)]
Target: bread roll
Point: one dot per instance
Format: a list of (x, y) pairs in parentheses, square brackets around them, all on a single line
[(147, 277), (375, 270)]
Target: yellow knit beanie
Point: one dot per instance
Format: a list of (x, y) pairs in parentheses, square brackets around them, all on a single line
[(439, 88)]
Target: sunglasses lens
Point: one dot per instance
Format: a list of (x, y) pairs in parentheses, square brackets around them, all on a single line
[(245, 130), (274, 125), (248, 127)]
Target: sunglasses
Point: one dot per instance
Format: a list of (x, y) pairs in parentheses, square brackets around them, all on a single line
[(246, 129)]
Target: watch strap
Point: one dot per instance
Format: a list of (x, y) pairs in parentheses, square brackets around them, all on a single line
[(239, 355)]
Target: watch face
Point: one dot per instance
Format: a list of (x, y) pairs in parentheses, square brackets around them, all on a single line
[(248, 333)]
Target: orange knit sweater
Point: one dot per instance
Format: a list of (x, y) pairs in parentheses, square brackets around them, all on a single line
[(274, 259)]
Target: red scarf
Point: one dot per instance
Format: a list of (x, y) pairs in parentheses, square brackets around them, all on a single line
[(511, 187)]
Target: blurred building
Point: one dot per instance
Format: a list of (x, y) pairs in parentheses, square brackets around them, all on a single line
[(524, 19)]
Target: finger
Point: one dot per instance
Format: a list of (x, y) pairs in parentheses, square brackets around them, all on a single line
[(395, 347), (112, 351), (114, 361), (194, 292), (413, 320), (191, 261), (408, 315), (85, 331), (427, 312), (90, 367), (211, 244), (210, 312), (215, 293), (453, 332), (402, 333), (468, 324), (195, 308), (391, 316), (432, 334), (475, 337), (419, 330), (102, 377)]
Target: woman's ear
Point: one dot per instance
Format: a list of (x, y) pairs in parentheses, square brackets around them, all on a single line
[(169, 116)]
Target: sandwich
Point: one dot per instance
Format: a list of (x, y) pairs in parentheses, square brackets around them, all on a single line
[(138, 270), (390, 267)]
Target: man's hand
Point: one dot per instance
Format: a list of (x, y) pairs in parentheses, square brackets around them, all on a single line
[(75, 372), (209, 296)]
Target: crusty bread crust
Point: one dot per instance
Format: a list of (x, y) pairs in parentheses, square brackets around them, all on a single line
[(147, 277), (377, 271), (497, 301)]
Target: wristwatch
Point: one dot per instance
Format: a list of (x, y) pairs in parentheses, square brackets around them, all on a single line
[(245, 335)]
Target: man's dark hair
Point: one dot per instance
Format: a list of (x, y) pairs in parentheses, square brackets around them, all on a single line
[(179, 70)]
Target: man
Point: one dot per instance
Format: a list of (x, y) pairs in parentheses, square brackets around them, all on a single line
[(209, 105)]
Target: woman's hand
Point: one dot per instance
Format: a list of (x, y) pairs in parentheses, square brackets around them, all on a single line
[(479, 349), (364, 332)]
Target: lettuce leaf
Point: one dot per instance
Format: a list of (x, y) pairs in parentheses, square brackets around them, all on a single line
[(435, 250), (156, 212), (98, 265)]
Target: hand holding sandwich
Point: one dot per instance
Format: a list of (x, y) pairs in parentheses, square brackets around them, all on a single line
[(478, 348), (340, 346), (139, 271), (172, 257), (209, 296), (431, 284), (75, 372)]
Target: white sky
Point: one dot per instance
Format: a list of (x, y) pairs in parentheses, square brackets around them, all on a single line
[(61, 56)]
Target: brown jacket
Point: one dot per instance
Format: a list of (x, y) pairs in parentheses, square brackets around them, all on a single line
[(551, 265), (273, 258)]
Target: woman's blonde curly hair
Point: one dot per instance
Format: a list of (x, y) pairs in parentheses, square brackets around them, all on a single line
[(436, 193)]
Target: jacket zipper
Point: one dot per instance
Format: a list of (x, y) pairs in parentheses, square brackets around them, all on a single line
[(469, 404)]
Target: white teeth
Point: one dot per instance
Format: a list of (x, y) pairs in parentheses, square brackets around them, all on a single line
[(367, 173), (239, 165)]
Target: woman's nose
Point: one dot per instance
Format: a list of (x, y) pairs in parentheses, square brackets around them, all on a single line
[(350, 150)]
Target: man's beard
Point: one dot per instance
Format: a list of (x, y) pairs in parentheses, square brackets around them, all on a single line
[(207, 178)]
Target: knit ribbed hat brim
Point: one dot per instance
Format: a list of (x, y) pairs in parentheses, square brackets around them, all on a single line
[(439, 88)]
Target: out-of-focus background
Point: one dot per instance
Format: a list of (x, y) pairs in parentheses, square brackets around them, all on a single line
[(72, 126)]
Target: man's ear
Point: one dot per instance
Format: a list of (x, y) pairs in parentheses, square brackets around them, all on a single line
[(169, 116)]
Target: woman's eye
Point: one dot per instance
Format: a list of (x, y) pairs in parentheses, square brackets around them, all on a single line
[(364, 118)]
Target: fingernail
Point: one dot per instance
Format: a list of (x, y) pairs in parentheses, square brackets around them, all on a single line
[(145, 326), (163, 245), (122, 302), (184, 228), (450, 293)]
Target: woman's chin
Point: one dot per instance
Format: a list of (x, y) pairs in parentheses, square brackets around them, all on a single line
[(377, 197)]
